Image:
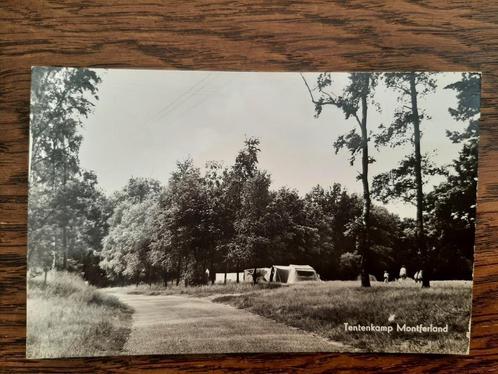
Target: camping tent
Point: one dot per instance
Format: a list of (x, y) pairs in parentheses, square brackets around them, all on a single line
[(293, 274), (277, 273), (262, 273)]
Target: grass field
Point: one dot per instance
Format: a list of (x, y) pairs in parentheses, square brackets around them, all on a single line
[(323, 308), (68, 318), (200, 291)]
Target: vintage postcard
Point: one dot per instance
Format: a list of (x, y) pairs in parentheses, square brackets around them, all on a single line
[(197, 212)]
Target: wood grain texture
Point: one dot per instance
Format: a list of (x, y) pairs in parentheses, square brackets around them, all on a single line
[(440, 35)]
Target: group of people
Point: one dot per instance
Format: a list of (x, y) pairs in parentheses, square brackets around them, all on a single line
[(418, 276)]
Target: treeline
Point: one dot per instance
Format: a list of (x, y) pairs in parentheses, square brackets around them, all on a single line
[(228, 218)]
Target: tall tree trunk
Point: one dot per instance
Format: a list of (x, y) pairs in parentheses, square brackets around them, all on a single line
[(53, 196), (237, 270), (178, 270), (165, 278), (365, 215), (64, 223), (64, 247), (149, 275), (418, 180), (212, 273), (186, 281)]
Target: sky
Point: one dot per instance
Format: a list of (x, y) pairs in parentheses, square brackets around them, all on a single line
[(145, 121)]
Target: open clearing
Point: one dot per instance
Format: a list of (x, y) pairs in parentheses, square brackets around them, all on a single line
[(324, 307), (172, 324), (306, 317)]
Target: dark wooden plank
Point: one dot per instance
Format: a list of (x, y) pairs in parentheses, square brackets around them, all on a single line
[(244, 35)]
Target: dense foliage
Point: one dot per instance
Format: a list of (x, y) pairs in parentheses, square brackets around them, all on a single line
[(229, 218)]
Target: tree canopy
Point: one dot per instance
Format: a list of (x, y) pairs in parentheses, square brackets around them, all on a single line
[(227, 218)]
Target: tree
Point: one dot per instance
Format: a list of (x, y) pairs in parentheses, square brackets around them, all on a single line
[(137, 189), (451, 219), (387, 240), (60, 100), (235, 181), (468, 110), (399, 182), (331, 212), (251, 237), (452, 204), (219, 217), (126, 248), (83, 208), (41, 233), (353, 102), (290, 230), (185, 223), (166, 254)]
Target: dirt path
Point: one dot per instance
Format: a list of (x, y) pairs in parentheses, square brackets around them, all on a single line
[(185, 325)]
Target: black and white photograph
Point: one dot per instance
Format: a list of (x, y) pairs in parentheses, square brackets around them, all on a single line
[(209, 212)]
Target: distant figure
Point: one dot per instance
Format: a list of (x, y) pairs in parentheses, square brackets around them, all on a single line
[(206, 276), (402, 272), (386, 276), (418, 276)]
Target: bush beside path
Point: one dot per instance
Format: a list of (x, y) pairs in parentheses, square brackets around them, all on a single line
[(68, 318)]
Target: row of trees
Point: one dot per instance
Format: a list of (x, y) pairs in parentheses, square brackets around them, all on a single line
[(228, 218), (406, 181)]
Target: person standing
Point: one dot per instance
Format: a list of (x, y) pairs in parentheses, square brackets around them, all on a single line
[(402, 272), (419, 276), (206, 276)]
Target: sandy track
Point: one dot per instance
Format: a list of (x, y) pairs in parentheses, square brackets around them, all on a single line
[(188, 325)]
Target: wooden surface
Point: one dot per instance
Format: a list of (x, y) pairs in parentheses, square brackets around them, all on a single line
[(245, 35)]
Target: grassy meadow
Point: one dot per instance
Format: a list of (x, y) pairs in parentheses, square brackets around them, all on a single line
[(323, 309), (200, 291), (68, 318)]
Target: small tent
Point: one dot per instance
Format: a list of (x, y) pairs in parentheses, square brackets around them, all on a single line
[(293, 274), (263, 274)]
